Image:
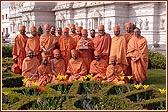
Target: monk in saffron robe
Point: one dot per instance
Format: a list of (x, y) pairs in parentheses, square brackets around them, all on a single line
[(114, 71), (52, 31), (66, 45), (19, 53), (85, 48), (76, 67), (138, 52), (47, 42), (29, 68), (102, 42), (73, 30), (78, 36), (59, 32), (30, 65), (92, 33), (33, 43), (44, 71), (118, 48), (128, 35), (58, 66), (98, 67)]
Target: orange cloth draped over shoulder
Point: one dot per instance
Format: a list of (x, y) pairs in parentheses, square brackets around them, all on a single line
[(19, 49), (76, 67), (66, 45), (113, 73), (29, 67), (118, 49), (33, 43), (48, 41), (86, 54), (99, 68), (59, 67), (103, 43), (137, 47), (44, 71)]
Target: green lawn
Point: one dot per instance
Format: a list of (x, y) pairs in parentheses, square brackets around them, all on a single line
[(156, 77)]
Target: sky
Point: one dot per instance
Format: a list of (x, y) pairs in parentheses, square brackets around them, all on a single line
[(5, 4)]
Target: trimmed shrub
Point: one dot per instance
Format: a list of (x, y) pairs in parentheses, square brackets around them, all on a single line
[(156, 60), (7, 51), (54, 97)]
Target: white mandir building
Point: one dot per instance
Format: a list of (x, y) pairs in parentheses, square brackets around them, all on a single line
[(150, 17)]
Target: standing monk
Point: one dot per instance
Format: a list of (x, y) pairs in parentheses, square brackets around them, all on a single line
[(73, 30), (58, 66), (52, 31), (33, 43), (19, 53), (76, 67), (92, 33), (102, 42), (85, 47), (78, 36), (98, 67), (59, 32), (47, 42), (118, 48), (128, 35), (138, 52), (66, 45)]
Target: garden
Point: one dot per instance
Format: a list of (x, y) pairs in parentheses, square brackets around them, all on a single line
[(85, 95)]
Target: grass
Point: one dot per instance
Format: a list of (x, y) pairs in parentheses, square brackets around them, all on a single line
[(156, 77)]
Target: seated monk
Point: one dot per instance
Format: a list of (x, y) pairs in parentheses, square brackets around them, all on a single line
[(44, 72), (29, 68), (76, 67), (30, 65), (98, 67), (114, 71), (58, 66)]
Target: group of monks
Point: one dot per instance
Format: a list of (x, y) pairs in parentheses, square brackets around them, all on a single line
[(73, 55)]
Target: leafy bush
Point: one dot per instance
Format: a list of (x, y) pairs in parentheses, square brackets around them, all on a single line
[(129, 98), (156, 60), (7, 51)]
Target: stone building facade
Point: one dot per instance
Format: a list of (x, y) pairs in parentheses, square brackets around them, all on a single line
[(150, 17)]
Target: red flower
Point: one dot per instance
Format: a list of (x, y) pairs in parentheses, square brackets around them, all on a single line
[(41, 89), (35, 89), (65, 83), (94, 91), (44, 83)]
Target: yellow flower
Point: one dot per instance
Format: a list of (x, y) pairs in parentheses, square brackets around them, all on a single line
[(85, 77), (122, 77), (6, 93), (33, 84), (129, 77), (137, 86), (117, 83), (64, 77), (104, 77), (89, 76), (162, 91), (59, 77), (145, 86), (25, 80)]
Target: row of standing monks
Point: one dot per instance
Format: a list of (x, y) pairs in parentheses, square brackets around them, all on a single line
[(75, 55)]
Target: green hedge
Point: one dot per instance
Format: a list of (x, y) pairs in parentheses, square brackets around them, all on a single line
[(94, 96), (7, 51), (156, 60)]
